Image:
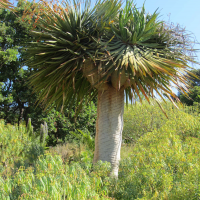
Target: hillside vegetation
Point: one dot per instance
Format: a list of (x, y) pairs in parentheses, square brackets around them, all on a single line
[(160, 160)]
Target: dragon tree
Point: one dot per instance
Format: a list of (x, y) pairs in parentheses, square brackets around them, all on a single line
[(107, 51)]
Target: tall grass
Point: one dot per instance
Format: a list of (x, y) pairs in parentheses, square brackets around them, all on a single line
[(17, 148)]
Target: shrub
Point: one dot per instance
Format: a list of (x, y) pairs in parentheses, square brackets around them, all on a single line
[(27, 173), (164, 163), (51, 179), (61, 124), (17, 147), (161, 164), (142, 118)]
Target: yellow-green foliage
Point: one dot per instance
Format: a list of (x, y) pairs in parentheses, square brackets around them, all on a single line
[(13, 139), (16, 147), (142, 118), (164, 164), (51, 179), (48, 177)]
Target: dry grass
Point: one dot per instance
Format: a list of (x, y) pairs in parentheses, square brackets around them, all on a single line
[(68, 151), (126, 150)]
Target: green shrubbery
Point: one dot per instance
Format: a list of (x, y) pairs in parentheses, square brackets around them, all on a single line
[(163, 163), (51, 179), (27, 173), (17, 147), (142, 118), (61, 124)]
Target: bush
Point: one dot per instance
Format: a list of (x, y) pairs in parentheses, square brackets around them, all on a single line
[(61, 124), (17, 148), (161, 164), (27, 173), (164, 163), (142, 118), (51, 179)]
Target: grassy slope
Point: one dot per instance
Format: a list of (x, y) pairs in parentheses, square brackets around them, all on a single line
[(163, 163)]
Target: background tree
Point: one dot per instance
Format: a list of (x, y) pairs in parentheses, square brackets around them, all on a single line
[(17, 102), (194, 93), (60, 125), (15, 95), (106, 51), (195, 80)]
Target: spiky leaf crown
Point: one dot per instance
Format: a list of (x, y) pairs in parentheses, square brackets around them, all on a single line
[(83, 50)]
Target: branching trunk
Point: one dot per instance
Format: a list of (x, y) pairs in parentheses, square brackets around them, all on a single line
[(109, 127)]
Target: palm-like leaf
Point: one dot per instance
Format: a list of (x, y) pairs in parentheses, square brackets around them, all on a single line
[(147, 55), (135, 50), (6, 4), (63, 44)]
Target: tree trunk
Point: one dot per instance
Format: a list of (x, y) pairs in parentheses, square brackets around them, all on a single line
[(109, 126)]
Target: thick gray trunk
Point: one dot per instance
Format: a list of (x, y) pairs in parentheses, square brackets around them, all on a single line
[(109, 127)]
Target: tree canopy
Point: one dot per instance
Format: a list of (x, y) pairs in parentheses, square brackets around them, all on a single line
[(124, 47), (194, 92), (17, 101), (14, 34)]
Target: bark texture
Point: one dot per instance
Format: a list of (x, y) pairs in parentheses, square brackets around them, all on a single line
[(94, 74), (109, 127)]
